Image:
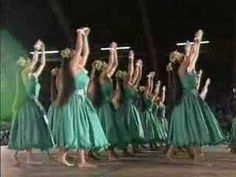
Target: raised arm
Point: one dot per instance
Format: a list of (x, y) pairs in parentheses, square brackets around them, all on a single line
[(113, 60), (156, 90), (199, 77), (85, 49), (205, 89), (163, 95), (194, 51), (139, 65), (78, 47), (131, 66), (42, 61), (35, 58)]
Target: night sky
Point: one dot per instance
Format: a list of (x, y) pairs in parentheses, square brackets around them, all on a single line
[(169, 21)]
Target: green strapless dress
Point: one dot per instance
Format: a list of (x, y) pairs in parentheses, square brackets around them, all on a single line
[(161, 112), (192, 122), (30, 125), (113, 129), (233, 131), (130, 117), (76, 125)]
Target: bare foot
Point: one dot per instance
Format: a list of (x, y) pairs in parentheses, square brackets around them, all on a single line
[(87, 165), (17, 162), (112, 158), (63, 161), (169, 157)]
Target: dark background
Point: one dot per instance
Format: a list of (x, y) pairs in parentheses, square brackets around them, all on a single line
[(159, 23)]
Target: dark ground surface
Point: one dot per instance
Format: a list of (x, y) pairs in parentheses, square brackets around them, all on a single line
[(220, 163)]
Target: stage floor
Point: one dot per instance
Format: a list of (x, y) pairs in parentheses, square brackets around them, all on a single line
[(220, 163)]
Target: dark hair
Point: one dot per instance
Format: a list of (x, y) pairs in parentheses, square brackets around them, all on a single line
[(21, 94), (174, 88), (53, 88), (68, 83), (95, 91)]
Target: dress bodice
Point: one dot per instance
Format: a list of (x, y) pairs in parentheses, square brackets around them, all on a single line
[(148, 103), (107, 90), (81, 81), (32, 86), (130, 94), (161, 111), (189, 82)]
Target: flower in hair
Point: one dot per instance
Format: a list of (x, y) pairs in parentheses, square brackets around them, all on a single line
[(22, 61), (175, 56), (67, 53), (97, 64), (54, 71)]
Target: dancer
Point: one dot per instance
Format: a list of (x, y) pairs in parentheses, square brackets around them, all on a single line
[(78, 126), (192, 122), (30, 125), (233, 125), (106, 110)]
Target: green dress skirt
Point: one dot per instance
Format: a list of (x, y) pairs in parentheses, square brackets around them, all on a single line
[(76, 125), (130, 117), (30, 125), (192, 122), (233, 131), (153, 130), (112, 126)]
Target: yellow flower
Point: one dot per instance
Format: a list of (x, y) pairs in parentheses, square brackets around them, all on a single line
[(54, 71), (67, 53), (175, 56), (22, 61)]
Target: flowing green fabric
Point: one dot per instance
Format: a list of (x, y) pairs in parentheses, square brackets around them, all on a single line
[(129, 115), (161, 112), (30, 125), (76, 125), (153, 130), (112, 126), (233, 131), (192, 122)]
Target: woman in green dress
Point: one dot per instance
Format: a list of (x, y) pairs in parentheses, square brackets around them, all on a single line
[(152, 127), (233, 135), (104, 104), (78, 126), (128, 112), (30, 125), (192, 122)]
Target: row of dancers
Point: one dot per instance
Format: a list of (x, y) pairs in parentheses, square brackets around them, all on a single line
[(109, 109)]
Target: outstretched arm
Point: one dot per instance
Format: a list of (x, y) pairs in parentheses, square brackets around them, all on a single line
[(139, 66), (85, 49), (157, 90), (163, 95), (131, 66), (42, 62), (78, 47), (113, 60), (194, 51), (199, 77), (205, 89)]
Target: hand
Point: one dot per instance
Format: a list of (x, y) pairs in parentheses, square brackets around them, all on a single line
[(200, 72), (113, 46), (152, 74), (131, 54), (158, 83), (86, 30), (139, 62), (208, 81), (198, 36), (38, 45), (187, 48), (164, 88)]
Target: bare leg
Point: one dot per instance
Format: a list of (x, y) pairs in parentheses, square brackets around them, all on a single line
[(62, 158), (17, 164), (111, 155), (29, 159), (83, 163), (170, 153)]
